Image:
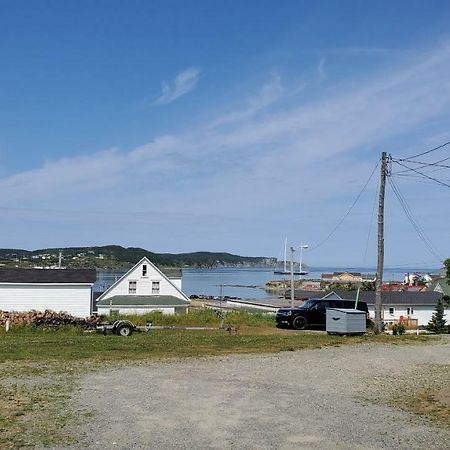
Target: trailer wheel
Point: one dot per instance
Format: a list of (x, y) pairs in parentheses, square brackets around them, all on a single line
[(124, 330)]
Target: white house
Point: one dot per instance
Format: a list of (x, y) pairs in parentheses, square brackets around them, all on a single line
[(68, 290), (397, 305), (144, 288)]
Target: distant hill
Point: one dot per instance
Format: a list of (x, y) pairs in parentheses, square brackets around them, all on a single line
[(111, 256)]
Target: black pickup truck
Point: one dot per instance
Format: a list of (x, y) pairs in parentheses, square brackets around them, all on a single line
[(313, 313)]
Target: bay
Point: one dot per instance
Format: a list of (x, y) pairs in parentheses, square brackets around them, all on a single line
[(244, 282)]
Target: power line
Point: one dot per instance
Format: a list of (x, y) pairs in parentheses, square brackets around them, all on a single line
[(348, 212), (415, 178), (370, 226), (424, 175), (424, 164), (426, 152), (419, 230)]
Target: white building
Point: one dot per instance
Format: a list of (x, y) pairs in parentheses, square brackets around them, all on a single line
[(144, 288), (398, 305), (68, 290)]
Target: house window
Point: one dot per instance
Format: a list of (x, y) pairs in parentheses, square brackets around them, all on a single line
[(155, 287), (132, 287), (391, 311), (144, 270), (409, 311)]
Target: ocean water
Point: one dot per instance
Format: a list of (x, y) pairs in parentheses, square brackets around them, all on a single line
[(243, 282)]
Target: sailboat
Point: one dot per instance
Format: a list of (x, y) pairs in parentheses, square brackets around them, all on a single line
[(285, 270)]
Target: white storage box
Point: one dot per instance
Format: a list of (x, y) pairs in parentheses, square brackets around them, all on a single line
[(345, 321)]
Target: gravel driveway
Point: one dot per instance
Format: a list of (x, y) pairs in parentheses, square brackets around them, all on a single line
[(304, 399)]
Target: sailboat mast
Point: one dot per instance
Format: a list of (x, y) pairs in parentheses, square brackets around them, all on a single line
[(285, 255)]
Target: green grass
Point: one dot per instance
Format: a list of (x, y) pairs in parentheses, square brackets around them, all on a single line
[(202, 318), (72, 344)]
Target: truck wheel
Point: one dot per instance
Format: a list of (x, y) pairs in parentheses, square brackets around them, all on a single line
[(299, 323), (124, 330)]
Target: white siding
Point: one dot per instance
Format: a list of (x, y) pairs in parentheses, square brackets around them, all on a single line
[(104, 310), (176, 282), (421, 312), (144, 283), (73, 299)]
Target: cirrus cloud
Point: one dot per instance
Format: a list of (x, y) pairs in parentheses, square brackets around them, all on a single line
[(185, 82)]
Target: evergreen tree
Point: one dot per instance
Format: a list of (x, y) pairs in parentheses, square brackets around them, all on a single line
[(437, 322), (447, 269)]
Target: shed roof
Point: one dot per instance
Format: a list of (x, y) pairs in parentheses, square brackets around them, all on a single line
[(48, 276), (143, 300)]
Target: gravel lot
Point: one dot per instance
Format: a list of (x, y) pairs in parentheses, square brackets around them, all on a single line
[(305, 399)]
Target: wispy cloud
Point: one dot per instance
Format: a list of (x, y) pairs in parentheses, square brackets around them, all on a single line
[(185, 82), (321, 69), (268, 94)]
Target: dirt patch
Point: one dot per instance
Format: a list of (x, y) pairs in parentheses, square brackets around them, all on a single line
[(302, 399), (442, 396)]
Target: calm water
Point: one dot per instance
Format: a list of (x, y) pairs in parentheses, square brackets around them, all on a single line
[(241, 282)]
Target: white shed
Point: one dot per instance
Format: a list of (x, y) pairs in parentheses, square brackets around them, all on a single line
[(68, 290)]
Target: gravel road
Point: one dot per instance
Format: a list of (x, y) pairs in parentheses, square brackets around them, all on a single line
[(305, 399)]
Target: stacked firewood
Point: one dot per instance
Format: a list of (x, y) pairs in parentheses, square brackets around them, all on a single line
[(46, 318)]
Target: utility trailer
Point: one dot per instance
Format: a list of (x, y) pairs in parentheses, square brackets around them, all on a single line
[(123, 327), (127, 328)]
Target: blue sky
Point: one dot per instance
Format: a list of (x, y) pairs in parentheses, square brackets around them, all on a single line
[(221, 126)]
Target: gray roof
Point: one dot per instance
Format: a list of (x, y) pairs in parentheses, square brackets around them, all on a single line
[(48, 276), (395, 297), (171, 272), (443, 283), (143, 300), (388, 298)]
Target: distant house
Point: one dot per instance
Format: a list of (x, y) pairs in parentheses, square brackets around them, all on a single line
[(311, 285), (346, 277), (144, 288), (441, 285), (397, 304), (68, 290)]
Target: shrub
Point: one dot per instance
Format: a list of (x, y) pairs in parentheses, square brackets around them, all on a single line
[(398, 329)]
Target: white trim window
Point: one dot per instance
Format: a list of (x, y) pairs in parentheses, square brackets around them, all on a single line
[(391, 310), (156, 286), (410, 311), (144, 270), (132, 287)]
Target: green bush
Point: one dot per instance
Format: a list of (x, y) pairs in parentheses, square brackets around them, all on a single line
[(398, 329)]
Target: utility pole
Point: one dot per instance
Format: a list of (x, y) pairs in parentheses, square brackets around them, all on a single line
[(292, 277), (380, 260)]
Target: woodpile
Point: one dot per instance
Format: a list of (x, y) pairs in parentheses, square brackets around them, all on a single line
[(46, 318)]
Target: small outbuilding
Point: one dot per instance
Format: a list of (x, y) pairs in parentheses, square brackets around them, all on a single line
[(68, 290)]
